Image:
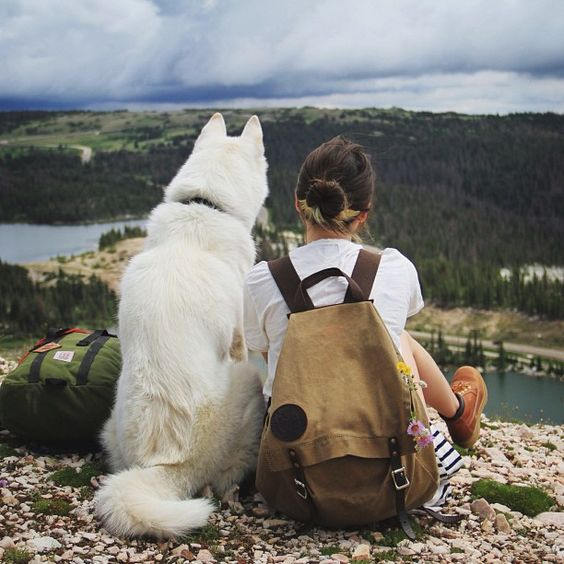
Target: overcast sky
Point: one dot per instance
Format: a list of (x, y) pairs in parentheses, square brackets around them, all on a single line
[(474, 56)]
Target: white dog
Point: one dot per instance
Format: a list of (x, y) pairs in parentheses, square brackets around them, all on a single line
[(186, 413)]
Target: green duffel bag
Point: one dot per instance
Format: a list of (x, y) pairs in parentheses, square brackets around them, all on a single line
[(63, 389)]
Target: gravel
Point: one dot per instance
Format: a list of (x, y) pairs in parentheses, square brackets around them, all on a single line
[(245, 530)]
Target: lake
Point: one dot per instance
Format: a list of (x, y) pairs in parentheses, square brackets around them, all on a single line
[(513, 395), (23, 242)]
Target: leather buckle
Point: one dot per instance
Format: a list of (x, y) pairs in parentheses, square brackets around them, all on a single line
[(400, 479), (301, 489)]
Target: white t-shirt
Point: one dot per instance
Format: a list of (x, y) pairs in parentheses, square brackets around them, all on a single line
[(396, 294)]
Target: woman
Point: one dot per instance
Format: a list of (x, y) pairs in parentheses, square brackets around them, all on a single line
[(333, 197)]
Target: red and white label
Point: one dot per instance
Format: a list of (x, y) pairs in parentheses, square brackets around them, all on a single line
[(65, 356)]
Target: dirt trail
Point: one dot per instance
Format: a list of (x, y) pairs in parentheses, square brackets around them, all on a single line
[(86, 152), (517, 348)]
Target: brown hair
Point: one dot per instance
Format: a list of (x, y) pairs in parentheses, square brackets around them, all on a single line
[(335, 184)]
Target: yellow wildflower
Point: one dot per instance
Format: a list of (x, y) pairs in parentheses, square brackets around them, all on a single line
[(403, 368)]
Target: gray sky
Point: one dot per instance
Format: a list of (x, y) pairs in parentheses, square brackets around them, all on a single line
[(474, 56)]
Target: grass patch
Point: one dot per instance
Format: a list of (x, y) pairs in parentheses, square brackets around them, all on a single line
[(489, 426), (548, 445), (206, 535), (6, 451), (456, 550), (329, 550), (388, 555), (528, 500), (70, 477), (465, 451), (392, 537), (51, 507), (17, 556)]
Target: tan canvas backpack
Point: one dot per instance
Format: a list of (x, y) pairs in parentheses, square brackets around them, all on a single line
[(335, 449)]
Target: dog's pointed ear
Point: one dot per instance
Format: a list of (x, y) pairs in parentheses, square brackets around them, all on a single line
[(253, 131), (214, 128)]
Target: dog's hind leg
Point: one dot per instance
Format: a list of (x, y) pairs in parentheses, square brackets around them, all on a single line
[(245, 409), (110, 443)]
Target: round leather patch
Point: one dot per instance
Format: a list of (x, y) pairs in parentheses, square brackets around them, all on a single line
[(288, 422)]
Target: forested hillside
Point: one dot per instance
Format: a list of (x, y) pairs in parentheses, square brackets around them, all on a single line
[(460, 195)]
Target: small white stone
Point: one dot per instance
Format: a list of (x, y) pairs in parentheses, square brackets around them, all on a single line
[(417, 547), (405, 551), (501, 524), (43, 544), (340, 557), (500, 508), (204, 555), (268, 523), (177, 551), (7, 542), (361, 552), (483, 509)]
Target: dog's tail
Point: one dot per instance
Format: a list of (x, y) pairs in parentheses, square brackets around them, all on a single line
[(148, 501)]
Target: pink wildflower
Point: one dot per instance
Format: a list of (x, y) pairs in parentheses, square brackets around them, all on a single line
[(415, 428), (424, 440)]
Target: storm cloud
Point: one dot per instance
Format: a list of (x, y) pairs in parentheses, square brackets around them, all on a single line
[(474, 56)]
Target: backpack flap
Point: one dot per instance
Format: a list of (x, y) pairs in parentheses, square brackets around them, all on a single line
[(324, 448)]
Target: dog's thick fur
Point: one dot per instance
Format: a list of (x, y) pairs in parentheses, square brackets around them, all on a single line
[(186, 414)]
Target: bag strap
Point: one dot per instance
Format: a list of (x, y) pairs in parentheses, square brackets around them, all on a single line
[(399, 482), (92, 337), (35, 368), (365, 270), (94, 348), (288, 281)]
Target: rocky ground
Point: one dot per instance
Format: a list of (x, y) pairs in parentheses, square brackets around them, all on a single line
[(46, 514)]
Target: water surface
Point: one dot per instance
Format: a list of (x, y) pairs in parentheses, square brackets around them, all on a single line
[(24, 242)]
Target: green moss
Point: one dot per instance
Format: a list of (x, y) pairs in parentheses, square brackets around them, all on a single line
[(17, 556), (549, 445), (489, 426), (328, 550), (51, 507), (6, 451), (465, 451), (206, 535), (388, 555), (70, 477), (456, 550), (528, 500), (392, 537)]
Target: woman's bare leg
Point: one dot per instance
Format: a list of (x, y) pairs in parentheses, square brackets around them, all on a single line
[(407, 354), (438, 393)]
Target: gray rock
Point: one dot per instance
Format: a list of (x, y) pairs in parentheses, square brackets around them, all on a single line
[(555, 518), (483, 509), (501, 524)]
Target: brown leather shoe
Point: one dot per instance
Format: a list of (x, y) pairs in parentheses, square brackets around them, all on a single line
[(470, 388)]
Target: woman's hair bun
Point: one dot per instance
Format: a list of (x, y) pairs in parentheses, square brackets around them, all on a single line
[(327, 196)]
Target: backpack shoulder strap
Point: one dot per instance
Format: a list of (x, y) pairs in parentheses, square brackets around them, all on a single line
[(365, 270), (286, 279)]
